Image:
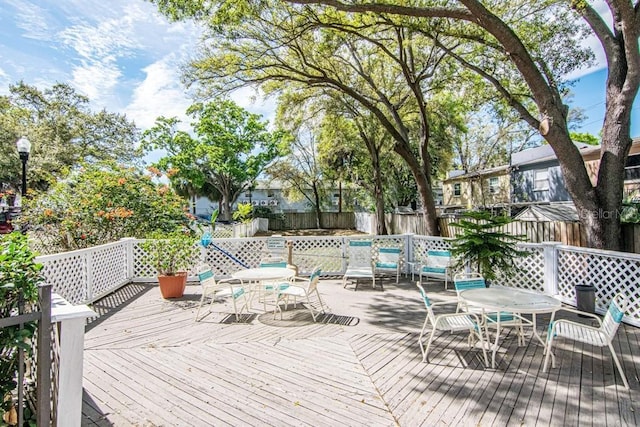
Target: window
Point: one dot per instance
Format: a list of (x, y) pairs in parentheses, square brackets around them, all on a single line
[(541, 180), (270, 193), (632, 169), (457, 189), (493, 185)]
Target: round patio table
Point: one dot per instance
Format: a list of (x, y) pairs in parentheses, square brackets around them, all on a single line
[(262, 279), (517, 301)]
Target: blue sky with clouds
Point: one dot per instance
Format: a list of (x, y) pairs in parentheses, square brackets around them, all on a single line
[(126, 58)]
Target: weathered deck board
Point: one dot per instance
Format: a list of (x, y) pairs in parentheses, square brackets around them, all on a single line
[(147, 363)]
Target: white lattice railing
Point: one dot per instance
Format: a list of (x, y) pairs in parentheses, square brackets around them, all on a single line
[(86, 275)]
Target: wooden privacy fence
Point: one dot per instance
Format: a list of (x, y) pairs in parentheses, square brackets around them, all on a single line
[(308, 220)]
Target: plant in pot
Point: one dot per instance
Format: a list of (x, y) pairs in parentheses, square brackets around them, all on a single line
[(171, 255), (484, 244)]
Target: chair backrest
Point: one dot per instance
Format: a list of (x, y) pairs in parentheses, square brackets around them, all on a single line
[(426, 301), (388, 257), (314, 279), (206, 277), (464, 281), (438, 258), (614, 315), (360, 253), (273, 262)]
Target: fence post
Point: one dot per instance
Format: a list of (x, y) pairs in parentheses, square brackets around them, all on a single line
[(88, 265), (72, 319), (408, 250), (550, 267), (128, 242), (43, 367)]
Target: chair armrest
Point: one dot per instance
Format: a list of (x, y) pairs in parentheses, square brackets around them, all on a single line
[(580, 325), (582, 313)]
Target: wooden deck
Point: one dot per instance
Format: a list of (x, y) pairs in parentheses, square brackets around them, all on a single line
[(147, 363)]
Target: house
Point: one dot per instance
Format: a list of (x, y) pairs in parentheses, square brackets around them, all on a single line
[(489, 188), (536, 175)]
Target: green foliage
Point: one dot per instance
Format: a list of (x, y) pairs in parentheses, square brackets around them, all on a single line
[(169, 253), (63, 131), (230, 149), (243, 213), (585, 137), (101, 204), (483, 244), (19, 280), (214, 218)]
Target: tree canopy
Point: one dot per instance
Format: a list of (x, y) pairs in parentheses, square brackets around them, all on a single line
[(228, 151), (63, 131)]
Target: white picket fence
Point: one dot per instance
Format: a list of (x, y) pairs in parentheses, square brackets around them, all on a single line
[(85, 276)]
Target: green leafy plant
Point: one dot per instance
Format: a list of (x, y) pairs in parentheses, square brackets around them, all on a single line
[(484, 244), (214, 217), (20, 276), (169, 253), (243, 213)]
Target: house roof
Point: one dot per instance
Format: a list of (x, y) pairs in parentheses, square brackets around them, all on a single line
[(454, 175), (545, 152), (550, 212)]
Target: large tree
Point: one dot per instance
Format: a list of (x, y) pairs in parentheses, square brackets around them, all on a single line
[(494, 29), (63, 130), (387, 69), (228, 151)]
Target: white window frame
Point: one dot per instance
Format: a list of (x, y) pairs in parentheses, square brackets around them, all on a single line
[(494, 185), (541, 180), (457, 189)]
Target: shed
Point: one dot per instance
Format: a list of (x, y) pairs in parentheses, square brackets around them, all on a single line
[(565, 212)]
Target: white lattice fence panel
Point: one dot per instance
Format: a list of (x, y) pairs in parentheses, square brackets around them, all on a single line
[(226, 255), (530, 272), (610, 273), (222, 231), (422, 244), (390, 242), (67, 274), (323, 252), (108, 269), (142, 270)]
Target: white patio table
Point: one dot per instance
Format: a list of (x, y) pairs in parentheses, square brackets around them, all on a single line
[(517, 301), (260, 280)]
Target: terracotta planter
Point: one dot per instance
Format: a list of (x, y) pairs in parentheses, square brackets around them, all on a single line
[(172, 286)]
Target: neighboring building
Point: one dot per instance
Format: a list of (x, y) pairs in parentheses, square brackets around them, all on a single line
[(488, 188)]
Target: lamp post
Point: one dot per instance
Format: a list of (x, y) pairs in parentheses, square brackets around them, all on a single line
[(24, 148)]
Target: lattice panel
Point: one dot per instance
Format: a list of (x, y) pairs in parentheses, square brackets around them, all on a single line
[(326, 253), (530, 274), (422, 244), (108, 270), (247, 251), (609, 274), (67, 275)]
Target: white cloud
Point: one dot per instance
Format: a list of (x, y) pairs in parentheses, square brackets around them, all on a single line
[(97, 80), (159, 94), (32, 19), (594, 44)]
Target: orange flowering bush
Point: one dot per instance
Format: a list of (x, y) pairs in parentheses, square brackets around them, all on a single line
[(101, 204)]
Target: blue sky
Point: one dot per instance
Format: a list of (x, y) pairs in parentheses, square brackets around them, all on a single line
[(126, 57)]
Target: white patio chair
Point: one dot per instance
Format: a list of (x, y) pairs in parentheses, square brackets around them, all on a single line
[(388, 261), (601, 336), (474, 280), (304, 288), (439, 265), (360, 263), (452, 322), (216, 289)]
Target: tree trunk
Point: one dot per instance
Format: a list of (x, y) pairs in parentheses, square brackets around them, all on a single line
[(378, 191), (317, 207)]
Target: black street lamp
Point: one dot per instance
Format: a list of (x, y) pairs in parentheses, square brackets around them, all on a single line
[(24, 148)]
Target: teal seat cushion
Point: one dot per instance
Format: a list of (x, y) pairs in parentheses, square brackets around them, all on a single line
[(386, 265), (438, 270), (504, 317)]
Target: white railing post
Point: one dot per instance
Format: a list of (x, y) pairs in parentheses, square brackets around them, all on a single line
[(88, 265), (408, 250), (72, 319), (550, 267), (128, 242)]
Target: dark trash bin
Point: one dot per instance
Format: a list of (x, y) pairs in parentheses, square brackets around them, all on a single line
[(586, 298)]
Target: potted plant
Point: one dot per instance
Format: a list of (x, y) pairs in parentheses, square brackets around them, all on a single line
[(170, 254), (484, 244)]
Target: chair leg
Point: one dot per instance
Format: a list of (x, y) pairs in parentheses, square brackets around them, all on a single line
[(615, 359), (200, 305), (431, 337), (546, 358), (424, 326), (482, 341)]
